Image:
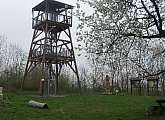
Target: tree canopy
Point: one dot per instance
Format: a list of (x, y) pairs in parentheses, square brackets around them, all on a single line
[(124, 36)]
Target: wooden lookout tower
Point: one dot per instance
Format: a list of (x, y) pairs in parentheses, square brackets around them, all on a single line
[(51, 45)]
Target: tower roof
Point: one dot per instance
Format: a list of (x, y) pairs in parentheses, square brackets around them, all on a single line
[(52, 6)]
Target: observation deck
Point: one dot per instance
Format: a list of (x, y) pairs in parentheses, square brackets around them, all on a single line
[(55, 13)]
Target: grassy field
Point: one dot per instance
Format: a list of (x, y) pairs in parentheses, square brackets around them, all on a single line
[(75, 107)]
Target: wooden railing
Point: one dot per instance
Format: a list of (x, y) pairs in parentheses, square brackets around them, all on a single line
[(53, 17), (62, 53)]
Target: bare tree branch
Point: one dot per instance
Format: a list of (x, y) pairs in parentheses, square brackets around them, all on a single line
[(140, 66), (157, 11), (155, 20), (155, 74)]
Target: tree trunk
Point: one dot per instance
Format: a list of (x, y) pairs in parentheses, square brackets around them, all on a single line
[(37, 104)]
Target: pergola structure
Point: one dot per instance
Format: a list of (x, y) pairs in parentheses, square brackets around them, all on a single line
[(51, 45), (152, 85), (136, 85)]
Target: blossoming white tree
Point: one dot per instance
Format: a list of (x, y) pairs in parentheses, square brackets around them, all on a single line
[(126, 36)]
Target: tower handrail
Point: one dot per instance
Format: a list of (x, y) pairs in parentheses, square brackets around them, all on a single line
[(53, 17)]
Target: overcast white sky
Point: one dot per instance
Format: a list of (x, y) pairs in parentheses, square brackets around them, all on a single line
[(16, 21)]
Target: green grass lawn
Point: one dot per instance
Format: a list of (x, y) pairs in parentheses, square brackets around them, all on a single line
[(85, 107)]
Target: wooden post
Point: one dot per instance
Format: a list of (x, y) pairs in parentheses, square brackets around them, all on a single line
[(140, 88), (131, 87), (147, 87), (42, 87), (1, 94), (107, 87), (157, 87)]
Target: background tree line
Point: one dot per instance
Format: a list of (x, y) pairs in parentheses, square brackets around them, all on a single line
[(12, 59)]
